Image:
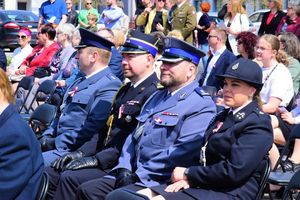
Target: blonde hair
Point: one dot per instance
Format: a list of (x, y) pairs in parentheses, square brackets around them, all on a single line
[(5, 87), (104, 55), (176, 34), (221, 34), (237, 7), (277, 2), (119, 37), (274, 42), (92, 16)]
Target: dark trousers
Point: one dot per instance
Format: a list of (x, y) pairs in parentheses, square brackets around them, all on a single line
[(64, 185), (97, 189)]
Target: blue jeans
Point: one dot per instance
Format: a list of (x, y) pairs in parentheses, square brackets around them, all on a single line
[(204, 48)]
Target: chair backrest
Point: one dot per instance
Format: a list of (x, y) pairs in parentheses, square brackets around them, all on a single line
[(43, 187), (22, 92), (44, 91), (263, 179), (293, 184), (211, 90), (41, 118)]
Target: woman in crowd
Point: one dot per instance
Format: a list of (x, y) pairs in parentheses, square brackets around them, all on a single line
[(236, 21), (271, 19), (62, 56), (41, 55), (203, 28), (236, 145), (246, 41), (154, 19), (82, 16), (20, 53), (278, 84), (291, 22), (291, 45), (20, 154)]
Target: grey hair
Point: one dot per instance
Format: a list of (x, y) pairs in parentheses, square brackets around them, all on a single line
[(67, 29)]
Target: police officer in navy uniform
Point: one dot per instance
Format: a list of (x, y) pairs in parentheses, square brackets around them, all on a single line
[(236, 145), (102, 152), (86, 103), (170, 127)]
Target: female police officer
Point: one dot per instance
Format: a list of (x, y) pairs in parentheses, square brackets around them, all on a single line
[(235, 151)]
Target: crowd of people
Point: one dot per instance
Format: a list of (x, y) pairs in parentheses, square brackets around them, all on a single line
[(176, 108)]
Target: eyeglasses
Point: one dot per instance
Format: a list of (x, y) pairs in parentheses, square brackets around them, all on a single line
[(88, 3), (21, 36), (289, 8), (261, 49), (68, 3), (161, 0), (210, 36), (270, 1)]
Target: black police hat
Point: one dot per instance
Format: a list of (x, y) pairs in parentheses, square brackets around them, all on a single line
[(245, 70), (176, 50), (90, 39), (138, 42)]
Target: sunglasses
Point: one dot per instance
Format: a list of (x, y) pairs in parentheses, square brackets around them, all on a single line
[(161, 0), (88, 3), (239, 42), (21, 36)]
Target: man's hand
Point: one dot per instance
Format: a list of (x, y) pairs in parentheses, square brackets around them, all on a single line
[(47, 143), (84, 162), (125, 177), (175, 187), (61, 162), (178, 174)]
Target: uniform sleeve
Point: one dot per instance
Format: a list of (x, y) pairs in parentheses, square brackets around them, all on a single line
[(15, 164), (247, 152), (127, 155), (190, 23), (96, 119)]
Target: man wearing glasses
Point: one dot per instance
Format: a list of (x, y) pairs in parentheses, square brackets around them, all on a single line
[(72, 16), (82, 17), (53, 12), (219, 59)]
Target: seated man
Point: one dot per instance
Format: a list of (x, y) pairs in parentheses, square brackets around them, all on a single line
[(99, 159), (170, 127), (87, 102)]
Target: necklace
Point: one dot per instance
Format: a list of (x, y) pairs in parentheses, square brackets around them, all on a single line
[(268, 76)]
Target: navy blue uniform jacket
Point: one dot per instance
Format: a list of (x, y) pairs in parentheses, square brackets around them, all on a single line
[(108, 150), (234, 155), (21, 161)]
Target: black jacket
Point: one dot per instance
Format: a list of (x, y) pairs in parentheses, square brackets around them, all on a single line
[(72, 17), (272, 26)]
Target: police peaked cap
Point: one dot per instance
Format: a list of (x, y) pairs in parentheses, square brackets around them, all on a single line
[(245, 70), (138, 42), (90, 39), (176, 50)]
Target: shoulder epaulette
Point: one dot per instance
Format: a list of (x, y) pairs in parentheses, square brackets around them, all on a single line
[(201, 92), (111, 76)]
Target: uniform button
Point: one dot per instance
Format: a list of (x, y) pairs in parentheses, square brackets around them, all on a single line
[(148, 179), (65, 148), (141, 148)]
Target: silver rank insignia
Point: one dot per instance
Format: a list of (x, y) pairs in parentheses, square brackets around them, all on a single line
[(240, 115), (128, 118), (182, 96), (235, 67)]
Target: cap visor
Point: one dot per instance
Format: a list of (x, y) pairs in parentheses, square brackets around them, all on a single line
[(170, 60), (131, 50), (80, 46)]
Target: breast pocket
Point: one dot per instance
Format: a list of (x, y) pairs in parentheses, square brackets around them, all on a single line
[(79, 103), (164, 134), (181, 19)]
